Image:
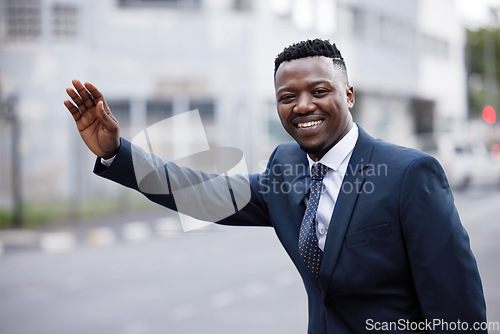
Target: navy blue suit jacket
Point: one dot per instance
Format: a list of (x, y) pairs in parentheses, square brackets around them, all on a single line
[(395, 251)]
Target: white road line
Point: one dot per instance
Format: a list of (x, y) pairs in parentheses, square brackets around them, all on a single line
[(1, 248), (73, 282), (227, 297), (56, 242), (285, 278), (183, 312), (137, 327), (136, 231), (168, 226), (255, 289), (101, 236), (222, 299)]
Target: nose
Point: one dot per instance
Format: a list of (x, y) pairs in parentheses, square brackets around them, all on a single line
[(304, 104)]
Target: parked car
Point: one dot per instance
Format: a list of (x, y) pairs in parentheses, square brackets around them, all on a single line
[(466, 163)]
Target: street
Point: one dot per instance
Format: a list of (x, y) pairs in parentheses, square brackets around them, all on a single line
[(223, 280), (215, 280)]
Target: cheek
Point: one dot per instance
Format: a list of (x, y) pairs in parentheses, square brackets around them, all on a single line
[(283, 114)]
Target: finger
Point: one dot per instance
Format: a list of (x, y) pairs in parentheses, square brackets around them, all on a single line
[(84, 94), (76, 99), (97, 95), (94, 92), (73, 110)]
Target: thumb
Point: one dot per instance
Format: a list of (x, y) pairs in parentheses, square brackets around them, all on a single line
[(107, 119)]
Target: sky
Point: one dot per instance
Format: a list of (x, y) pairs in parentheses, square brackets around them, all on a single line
[(476, 12)]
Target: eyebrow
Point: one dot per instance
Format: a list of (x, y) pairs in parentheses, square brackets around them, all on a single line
[(312, 84)]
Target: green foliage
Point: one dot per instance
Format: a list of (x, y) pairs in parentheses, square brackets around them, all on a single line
[(483, 69), (38, 214)]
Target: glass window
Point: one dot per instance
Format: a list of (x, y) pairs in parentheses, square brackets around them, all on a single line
[(23, 20), (206, 108), (64, 21), (423, 113), (190, 4), (359, 21), (158, 110), (242, 5), (121, 110)]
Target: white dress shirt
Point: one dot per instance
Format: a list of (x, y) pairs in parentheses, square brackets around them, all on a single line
[(108, 162), (336, 159)]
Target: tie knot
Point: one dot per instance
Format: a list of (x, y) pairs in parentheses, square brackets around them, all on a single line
[(318, 172)]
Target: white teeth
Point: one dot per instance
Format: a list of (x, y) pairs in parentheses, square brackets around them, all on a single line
[(308, 124)]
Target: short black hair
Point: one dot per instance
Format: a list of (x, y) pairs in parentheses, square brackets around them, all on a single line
[(310, 48)]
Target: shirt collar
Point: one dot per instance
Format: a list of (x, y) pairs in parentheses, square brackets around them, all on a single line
[(338, 153)]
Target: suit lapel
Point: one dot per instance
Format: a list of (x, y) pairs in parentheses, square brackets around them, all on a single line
[(349, 192), (299, 189)]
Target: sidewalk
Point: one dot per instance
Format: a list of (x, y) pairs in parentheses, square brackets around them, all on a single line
[(65, 236)]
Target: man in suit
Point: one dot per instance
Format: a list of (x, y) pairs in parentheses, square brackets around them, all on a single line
[(374, 231)]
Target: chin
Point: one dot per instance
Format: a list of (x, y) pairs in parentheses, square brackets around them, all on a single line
[(313, 149)]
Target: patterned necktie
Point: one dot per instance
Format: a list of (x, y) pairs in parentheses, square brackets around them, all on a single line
[(308, 241)]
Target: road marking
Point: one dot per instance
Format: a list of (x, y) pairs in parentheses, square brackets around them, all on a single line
[(222, 299), (101, 236), (285, 278), (136, 231), (168, 226), (56, 242), (137, 327), (184, 312), (255, 289), (73, 282), (227, 297), (1, 248)]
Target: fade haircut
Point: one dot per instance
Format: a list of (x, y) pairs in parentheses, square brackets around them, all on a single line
[(311, 48)]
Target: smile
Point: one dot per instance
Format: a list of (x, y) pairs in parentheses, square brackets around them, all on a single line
[(309, 124)]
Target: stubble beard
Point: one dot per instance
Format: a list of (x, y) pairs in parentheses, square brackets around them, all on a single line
[(314, 149)]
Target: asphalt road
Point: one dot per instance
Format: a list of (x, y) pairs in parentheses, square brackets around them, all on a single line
[(132, 279)]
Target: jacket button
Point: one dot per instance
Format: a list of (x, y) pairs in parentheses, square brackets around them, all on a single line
[(328, 302)]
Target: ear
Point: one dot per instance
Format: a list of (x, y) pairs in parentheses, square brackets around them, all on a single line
[(350, 96)]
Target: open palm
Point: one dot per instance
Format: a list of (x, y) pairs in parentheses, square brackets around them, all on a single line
[(98, 127)]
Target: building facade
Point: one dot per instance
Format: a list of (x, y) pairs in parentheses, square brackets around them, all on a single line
[(154, 59)]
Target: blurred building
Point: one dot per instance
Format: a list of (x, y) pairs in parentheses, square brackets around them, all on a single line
[(156, 58)]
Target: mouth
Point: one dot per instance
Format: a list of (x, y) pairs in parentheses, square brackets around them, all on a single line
[(310, 124)]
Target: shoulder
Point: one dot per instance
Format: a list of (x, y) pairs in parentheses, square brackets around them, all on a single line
[(290, 147), (288, 153), (413, 166), (399, 154), (393, 154)]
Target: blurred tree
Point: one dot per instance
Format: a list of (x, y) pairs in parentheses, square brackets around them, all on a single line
[(483, 69)]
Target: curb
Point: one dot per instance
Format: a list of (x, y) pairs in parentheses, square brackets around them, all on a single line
[(52, 242)]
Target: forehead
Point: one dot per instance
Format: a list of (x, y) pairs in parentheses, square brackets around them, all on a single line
[(307, 69)]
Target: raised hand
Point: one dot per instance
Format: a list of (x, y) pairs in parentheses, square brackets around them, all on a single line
[(98, 127)]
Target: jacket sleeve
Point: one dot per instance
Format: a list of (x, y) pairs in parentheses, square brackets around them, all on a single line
[(444, 269), (228, 200)]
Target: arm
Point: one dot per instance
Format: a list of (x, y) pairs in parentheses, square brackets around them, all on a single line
[(444, 270), (194, 193), (208, 197)]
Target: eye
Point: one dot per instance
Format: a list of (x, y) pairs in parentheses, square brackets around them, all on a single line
[(286, 98), (320, 91)]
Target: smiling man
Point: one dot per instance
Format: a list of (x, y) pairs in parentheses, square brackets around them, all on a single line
[(314, 98), (371, 227)]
